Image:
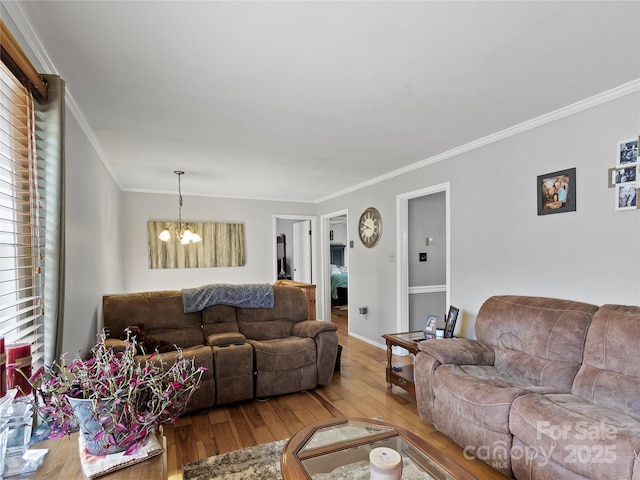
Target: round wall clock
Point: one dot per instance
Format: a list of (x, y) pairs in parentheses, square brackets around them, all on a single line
[(370, 227)]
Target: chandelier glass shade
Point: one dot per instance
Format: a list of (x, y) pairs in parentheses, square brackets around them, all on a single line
[(181, 230)]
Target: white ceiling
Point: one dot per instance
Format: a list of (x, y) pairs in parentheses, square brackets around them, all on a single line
[(302, 100)]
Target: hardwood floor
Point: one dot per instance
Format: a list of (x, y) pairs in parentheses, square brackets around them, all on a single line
[(359, 390)]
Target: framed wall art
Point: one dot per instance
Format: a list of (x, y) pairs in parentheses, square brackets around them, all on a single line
[(557, 192), (627, 196), (622, 175), (627, 153)]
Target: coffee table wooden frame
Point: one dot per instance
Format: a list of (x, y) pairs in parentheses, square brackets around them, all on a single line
[(292, 457)]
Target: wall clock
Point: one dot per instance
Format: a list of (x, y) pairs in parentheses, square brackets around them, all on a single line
[(370, 227)]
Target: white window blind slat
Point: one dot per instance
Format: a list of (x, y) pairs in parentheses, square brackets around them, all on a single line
[(21, 251)]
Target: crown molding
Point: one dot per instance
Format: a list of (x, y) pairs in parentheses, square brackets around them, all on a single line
[(594, 101), (42, 59)]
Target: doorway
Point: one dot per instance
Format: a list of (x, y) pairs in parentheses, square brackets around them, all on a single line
[(335, 267), (423, 240), (294, 247)]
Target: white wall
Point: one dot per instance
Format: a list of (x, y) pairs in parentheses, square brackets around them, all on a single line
[(499, 244), (257, 216)]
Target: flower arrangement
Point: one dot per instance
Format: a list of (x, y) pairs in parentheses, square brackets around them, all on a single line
[(129, 398)]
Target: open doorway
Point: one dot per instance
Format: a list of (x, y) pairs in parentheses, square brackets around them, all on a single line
[(293, 248), (335, 267), (424, 256)]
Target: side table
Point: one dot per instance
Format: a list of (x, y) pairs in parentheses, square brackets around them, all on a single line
[(62, 462), (402, 376)]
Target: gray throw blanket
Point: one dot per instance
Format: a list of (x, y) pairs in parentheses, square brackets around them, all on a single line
[(259, 295)]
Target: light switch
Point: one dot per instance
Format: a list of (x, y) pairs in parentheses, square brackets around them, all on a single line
[(423, 256)]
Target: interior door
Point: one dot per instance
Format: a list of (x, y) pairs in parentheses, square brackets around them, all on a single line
[(302, 252)]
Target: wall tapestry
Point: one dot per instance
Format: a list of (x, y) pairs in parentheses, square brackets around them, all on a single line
[(222, 245)]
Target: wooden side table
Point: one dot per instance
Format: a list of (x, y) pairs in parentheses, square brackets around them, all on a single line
[(402, 376), (62, 462)]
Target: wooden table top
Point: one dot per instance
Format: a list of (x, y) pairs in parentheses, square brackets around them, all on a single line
[(62, 462)]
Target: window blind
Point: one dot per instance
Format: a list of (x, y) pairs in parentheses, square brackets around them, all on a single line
[(21, 225)]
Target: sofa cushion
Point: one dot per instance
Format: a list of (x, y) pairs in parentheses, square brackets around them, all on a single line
[(161, 313), (537, 339), (596, 442), (480, 394), (290, 306), (610, 374), (284, 365), (219, 319)]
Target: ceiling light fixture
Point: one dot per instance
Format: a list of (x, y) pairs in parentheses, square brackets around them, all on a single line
[(181, 230)]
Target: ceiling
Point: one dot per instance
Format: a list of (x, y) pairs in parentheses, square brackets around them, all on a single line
[(303, 100)]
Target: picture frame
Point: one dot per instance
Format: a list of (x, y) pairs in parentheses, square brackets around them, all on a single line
[(627, 153), (450, 324), (430, 326), (622, 175), (627, 196), (557, 192)]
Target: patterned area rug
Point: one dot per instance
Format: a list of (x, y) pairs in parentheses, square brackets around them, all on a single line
[(261, 462)]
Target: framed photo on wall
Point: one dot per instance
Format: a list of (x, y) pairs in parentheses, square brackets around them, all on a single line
[(557, 192), (627, 153), (627, 196), (622, 175), (450, 324)]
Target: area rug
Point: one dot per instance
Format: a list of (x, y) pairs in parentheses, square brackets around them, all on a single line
[(261, 462)]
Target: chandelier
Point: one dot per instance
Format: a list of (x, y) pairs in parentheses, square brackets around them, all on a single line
[(181, 230)]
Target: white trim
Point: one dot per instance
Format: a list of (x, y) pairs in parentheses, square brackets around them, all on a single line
[(594, 101), (35, 44), (402, 246), (427, 289)]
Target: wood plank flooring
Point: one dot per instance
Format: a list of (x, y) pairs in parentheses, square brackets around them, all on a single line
[(359, 390)]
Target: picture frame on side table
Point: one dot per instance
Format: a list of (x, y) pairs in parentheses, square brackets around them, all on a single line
[(557, 192), (450, 324), (430, 326)]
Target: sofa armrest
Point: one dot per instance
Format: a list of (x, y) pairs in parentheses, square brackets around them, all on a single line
[(226, 338), (311, 328), (459, 351), (116, 344)]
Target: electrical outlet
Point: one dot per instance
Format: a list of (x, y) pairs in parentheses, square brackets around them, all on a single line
[(423, 256)]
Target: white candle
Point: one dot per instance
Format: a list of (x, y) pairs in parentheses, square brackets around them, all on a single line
[(385, 464)]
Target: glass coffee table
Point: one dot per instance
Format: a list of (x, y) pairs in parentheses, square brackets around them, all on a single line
[(331, 448)]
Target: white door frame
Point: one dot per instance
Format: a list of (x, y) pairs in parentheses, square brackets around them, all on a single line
[(402, 243), (324, 286), (314, 250)]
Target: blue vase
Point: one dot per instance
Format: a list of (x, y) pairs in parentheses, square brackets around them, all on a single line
[(88, 414)]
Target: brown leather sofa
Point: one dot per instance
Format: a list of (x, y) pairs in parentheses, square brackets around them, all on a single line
[(550, 388), (248, 352)]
